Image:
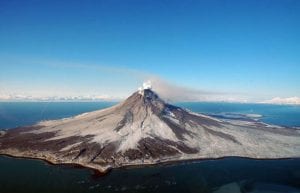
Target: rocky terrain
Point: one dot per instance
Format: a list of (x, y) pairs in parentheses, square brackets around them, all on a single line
[(145, 130)]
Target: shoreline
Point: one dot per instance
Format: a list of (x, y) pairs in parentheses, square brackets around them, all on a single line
[(98, 172), (72, 165)]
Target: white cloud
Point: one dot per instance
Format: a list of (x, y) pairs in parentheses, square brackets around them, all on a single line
[(279, 100)]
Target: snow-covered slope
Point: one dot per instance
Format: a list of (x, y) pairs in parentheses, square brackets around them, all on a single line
[(145, 130)]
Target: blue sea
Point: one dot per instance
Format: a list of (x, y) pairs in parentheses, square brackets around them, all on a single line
[(229, 175)]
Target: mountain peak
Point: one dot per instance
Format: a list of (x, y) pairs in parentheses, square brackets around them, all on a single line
[(148, 95), (144, 99), (146, 86)]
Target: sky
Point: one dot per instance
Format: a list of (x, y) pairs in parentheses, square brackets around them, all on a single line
[(209, 50)]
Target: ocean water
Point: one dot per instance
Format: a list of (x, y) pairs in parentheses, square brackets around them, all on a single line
[(229, 175), (14, 114), (283, 115)]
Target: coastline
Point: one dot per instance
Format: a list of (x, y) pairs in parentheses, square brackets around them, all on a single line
[(102, 172), (74, 165)]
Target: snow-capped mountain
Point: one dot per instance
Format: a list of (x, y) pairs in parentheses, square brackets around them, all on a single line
[(144, 129)]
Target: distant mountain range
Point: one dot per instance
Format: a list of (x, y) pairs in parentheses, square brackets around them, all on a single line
[(19, 97)]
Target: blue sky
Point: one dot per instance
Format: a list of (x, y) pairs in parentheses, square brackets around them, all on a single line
[(236, 50)]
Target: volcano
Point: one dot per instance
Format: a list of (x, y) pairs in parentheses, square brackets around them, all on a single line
[(145, 130)]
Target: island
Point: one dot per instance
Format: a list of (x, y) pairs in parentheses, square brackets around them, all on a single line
[(145, 130)]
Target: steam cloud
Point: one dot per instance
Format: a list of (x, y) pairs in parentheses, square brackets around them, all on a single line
[(169, 91)]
